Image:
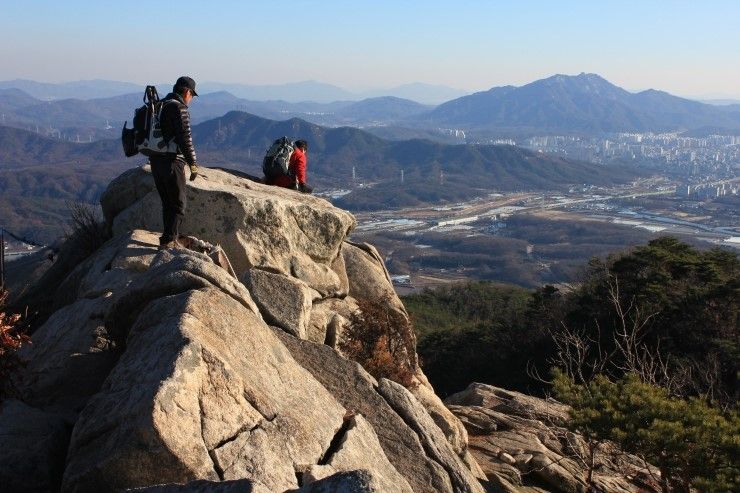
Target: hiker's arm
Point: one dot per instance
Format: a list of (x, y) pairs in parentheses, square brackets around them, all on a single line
[(298, 161), (184, 136)]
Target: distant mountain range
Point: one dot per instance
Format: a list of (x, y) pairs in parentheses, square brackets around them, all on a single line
[(81, 89), (295, 92), (100, 118), (582, 103), (334, 151), (38, 174), (319, 92), (21, 148)]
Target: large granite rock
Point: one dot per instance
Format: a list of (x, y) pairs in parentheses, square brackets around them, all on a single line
[(284, 301), (72, 351), (281, 232), (357, 390), (177, 375), (257, 225), (203, 391), (520, 442)]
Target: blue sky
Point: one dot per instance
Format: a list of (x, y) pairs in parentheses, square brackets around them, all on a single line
[(685, 47)]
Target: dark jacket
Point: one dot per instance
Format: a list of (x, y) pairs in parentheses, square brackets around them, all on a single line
[(296, 168), (175, 123)]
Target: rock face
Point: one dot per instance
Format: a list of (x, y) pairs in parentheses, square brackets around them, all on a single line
[(257, 225), (173, 375), (521, 445), (401, 437), (286, 302)]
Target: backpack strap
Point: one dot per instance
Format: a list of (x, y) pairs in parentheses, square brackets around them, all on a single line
[(159, 119)]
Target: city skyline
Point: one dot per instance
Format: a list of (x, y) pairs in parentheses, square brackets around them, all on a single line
[(680, 47)]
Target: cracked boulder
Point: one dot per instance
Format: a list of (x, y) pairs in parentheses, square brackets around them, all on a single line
[(72, 351), (520, 443), (407, 446), (283, 301), (204, 390), (329, 319), (257, 225), (359, 445)]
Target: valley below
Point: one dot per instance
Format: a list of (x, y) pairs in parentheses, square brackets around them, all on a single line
[(533, 238)]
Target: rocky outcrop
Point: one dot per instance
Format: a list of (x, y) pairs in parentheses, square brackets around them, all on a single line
[(72, 351), (521, 444), (369, 279), (175, 375), (271, 228), (284, 246), (399, 436)]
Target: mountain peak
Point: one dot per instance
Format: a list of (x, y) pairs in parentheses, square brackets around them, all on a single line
[(578, 103), (583, 79)]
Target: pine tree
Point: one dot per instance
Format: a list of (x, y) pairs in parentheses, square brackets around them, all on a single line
[(691, 443)]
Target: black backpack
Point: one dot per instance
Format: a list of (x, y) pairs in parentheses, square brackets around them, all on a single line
[(146, 135), (277, 159)]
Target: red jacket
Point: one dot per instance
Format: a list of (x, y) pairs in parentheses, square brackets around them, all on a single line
[(296, 167)]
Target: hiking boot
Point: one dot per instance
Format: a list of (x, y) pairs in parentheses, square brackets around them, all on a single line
[(174, 244)]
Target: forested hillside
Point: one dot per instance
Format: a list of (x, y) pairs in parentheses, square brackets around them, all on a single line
[(645, 351), (675, 305)]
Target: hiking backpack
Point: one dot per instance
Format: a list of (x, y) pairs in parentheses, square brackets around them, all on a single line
[(277, 160), (146, 135)]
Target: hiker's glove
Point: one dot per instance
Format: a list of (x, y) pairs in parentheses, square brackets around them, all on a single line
[(193, 171), (304, 188)]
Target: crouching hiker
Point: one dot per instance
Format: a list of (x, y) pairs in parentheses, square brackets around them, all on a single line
[(285, 165)]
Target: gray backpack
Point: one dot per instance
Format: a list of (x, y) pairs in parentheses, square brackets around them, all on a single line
[(277, 160), (146, 135)]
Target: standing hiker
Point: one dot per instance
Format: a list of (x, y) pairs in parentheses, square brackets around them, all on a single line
[(169, 169)]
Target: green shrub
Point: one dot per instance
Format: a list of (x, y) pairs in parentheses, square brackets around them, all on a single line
[(692, 443)]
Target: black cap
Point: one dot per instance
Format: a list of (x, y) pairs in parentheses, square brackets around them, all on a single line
[(188, 82)]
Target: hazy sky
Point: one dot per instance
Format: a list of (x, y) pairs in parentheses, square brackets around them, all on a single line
[(689, 48)]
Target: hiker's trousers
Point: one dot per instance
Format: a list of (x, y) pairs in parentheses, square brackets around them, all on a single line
[(169, 177)]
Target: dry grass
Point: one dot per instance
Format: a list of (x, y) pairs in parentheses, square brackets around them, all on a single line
[(12, 337), (380, 339)]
